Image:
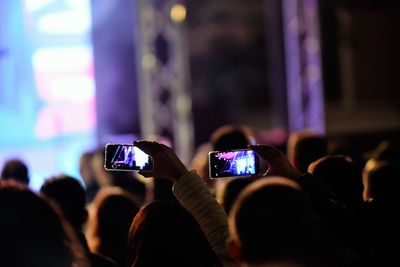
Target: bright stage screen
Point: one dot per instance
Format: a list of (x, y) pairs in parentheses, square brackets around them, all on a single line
[(47, 91)]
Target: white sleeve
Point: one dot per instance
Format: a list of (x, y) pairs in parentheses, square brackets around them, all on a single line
[(196, 198)]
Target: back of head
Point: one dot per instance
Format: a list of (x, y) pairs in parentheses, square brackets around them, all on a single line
[(231, 137), (114, 210), (272, 221), (129, 182), (340, 175), (68, 193), (87, 173), (32, 233), (15, 169), (231, 191), (86, 168), (101, 176), (165, 234), (306, 147)]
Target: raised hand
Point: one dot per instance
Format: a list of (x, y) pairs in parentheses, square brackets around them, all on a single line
[(166, 163), (279, 165)]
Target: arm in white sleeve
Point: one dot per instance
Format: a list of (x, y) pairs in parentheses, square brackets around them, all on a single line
[(196, 198)]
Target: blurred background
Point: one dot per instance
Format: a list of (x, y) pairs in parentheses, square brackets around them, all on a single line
[(76, 74)]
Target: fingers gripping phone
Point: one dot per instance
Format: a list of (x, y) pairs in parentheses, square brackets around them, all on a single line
[(124, 157), (233, 163)]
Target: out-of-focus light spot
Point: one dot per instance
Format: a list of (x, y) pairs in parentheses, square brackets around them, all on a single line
[(371, 164), (66, 118), (178, 13), (78, 89), (148, 61), (66, 22), (33, 5), (62, 58), (79, 3)]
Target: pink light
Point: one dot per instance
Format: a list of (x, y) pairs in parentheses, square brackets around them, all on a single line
[(66, 118)]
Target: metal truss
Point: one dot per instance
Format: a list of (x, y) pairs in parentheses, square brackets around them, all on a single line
[(303, 65), (164, 98)]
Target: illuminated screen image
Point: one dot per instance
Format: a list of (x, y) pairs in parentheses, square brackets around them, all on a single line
[(126, 157), (47, 96), (233, 163)]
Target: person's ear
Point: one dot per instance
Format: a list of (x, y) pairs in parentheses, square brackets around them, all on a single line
[(235, 250)]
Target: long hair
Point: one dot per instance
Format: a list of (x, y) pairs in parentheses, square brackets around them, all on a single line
[(33, 233), (165, 234)]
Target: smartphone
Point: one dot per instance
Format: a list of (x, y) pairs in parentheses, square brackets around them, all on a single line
[(123, 157), (233, 163)]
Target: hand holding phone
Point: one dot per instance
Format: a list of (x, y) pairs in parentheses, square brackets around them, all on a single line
[(233, 163), (278, 164), (124, 157), (167, 165)]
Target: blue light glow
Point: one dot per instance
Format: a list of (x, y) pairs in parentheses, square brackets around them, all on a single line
[(47, 92)]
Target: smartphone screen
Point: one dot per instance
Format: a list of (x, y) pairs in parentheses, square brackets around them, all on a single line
[(243, 162), (121, 157)]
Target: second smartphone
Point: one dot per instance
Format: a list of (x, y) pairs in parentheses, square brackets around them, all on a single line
[(233, 163)]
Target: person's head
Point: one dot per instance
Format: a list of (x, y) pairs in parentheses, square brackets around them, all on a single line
[(32, 233), (340, 175), (270, 222), (15, 169), (86, 167), (68, 193), (113, 212), (231, 137), (231, 191), (304, 148), (165, 234), (382, 183), (101, 176)]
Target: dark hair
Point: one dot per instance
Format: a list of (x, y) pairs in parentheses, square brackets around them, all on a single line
[(114, 210), (87, 173), (272, 221), (165, 234), (342, 176), (32, 233), (15, 169), (306, 147), (69, 195), (230, 137), (231, 191)]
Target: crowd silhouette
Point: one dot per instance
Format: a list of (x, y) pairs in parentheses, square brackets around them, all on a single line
[(309, 207)]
